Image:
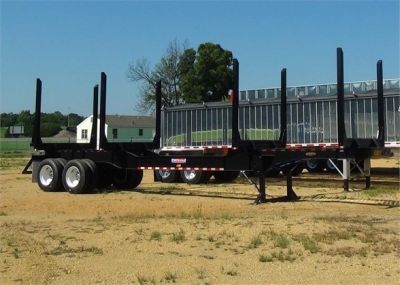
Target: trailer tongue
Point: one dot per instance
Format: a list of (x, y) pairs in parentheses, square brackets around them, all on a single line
[(80, 167)]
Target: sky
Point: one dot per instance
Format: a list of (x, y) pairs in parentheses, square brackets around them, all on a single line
[(68, 44)]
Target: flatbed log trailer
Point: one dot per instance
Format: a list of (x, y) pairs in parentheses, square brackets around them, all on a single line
[(81, 167)]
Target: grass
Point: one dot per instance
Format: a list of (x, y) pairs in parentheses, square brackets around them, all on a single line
[(2, 213), (156, 235), (179, 236), (308, 243), (282, 241), (265, 258), (145, 280), (170, 277), (255, 241), (374, 192)]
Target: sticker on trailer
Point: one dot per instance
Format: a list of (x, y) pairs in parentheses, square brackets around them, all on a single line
[(178, 160)]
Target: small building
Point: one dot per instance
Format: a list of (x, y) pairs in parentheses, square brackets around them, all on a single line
[(119, 128), (16, 131)]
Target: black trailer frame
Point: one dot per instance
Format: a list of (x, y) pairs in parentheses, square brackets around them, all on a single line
[(255, 155)]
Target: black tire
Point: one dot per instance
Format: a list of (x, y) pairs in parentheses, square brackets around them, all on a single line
[(62, 161), (330, 168), (167, 176), (127, 178), (195, 176), (94, 175), (49, 175), (296, 171), (315, 165), (226, 176), (76, 177)]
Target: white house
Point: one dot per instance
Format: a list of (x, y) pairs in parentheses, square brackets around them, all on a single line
[(119, 128)]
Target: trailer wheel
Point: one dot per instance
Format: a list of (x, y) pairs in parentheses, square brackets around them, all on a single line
[(195, 176), (315, 165), (167, 176), (76, 176), (127, 178), (62, 161), (49, 175), (226, 176), (330, 168), (94, 175)]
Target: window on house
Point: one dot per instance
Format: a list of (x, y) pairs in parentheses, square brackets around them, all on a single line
[(140, 132), (115, 133), (84, 134)]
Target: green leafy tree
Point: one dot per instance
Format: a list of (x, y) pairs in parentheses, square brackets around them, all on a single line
[(208, 75)]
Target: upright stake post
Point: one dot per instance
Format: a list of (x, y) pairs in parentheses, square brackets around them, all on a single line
[(235, 105), (340, 98), (93, 136), (36, 139), (283, 133), (103, 91), (157, 136), (381, 112)]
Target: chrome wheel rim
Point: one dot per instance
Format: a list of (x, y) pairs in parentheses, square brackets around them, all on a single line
[(189, 174), (164, 173), (46, 175), (72, 176)]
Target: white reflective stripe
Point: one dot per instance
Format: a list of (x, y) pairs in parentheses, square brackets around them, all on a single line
[(180, 168)]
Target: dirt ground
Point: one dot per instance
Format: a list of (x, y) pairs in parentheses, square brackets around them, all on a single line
[(162, 233)]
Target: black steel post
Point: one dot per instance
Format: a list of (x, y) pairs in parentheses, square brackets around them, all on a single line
[(381, 109), (36, 140), (290, 194), (93, 136), (283, 134), (235, 105), (103, 91), (261, 198), (157, 136), (340, 98)]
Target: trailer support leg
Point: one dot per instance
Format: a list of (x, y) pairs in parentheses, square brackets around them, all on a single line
[(367, 172), (346, 174), (261, 190), (291, 195)]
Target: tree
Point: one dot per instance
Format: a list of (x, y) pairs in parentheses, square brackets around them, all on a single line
[(207, 76), (166, 71), (187, 75)]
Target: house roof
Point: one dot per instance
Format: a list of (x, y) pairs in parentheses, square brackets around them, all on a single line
[(131, 121)]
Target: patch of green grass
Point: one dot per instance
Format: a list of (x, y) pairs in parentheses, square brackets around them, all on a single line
[(211, 238), (170, 277), (282, 241), (145, 280), (265, 258), (179, 236), (379, 191), (332, 235), (308, 243), (156, 235), (255, 241), (2, 213), (15, 252), (348, 251), (232, 272)]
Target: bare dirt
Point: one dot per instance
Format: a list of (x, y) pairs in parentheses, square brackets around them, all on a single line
[(162, 233)]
